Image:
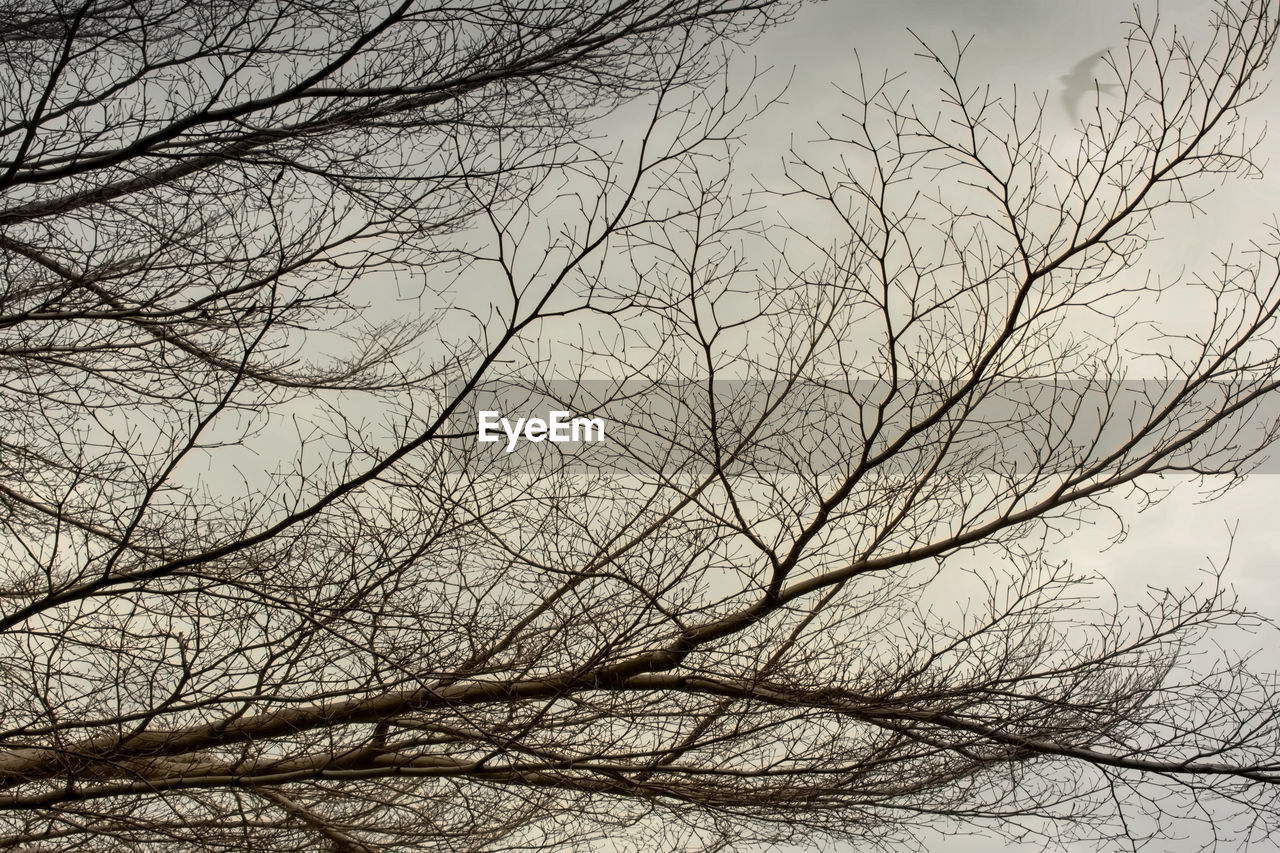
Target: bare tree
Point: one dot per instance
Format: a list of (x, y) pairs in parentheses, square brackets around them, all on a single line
[(264, 589)]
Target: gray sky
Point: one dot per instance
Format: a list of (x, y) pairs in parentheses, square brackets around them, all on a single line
[(1031, 45)]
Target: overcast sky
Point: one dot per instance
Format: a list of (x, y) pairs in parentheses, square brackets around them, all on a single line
[(1032, 45)]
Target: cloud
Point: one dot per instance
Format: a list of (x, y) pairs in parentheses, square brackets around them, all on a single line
[(1083, 80)]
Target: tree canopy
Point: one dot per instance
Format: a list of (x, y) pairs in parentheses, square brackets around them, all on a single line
[(262, 587)]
